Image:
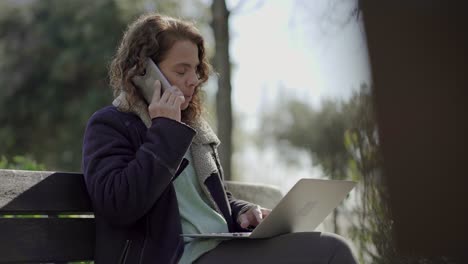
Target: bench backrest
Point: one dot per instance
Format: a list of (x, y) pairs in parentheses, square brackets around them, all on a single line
[(47, 216), (45, 232)]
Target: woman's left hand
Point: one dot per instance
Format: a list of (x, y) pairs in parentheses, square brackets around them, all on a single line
[(253, 217)]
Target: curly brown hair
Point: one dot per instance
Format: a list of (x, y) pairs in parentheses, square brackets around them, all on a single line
[(153, 35)]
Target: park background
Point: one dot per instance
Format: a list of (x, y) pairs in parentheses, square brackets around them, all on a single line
[(298, 93)]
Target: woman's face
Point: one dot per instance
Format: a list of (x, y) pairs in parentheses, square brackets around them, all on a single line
[(180, 68)]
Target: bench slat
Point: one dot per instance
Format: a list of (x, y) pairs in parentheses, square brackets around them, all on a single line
[(46, 239), (49, 192)]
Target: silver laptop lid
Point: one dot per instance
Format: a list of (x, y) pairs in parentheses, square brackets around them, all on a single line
[(304, 207)]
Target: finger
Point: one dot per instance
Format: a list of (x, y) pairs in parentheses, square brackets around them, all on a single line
[(171, 100), (157, 91), (265, 212), (179, 93), (176, 90), (258, 214), (244, 221), (172, 88), (165, 96), (179, 101)]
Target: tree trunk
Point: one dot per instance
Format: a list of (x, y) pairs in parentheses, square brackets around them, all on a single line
[(222, 65)]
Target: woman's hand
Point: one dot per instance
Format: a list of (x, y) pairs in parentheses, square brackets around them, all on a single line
[(253, 217), (167, 105)]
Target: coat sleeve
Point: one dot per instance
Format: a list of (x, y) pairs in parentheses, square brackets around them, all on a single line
[(124, 181), (238, 207)]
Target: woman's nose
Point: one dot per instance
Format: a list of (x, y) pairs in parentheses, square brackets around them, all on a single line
[(193, 79)]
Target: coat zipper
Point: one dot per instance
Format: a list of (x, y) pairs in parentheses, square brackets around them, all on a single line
[(123, 256), (144, 241)]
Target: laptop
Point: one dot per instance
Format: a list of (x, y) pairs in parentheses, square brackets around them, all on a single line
[(302, 209)]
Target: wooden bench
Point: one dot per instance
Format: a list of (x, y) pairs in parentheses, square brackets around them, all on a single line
[(53, 218)]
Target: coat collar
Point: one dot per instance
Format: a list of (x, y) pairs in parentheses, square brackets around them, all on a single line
[(205, 135), (139, 108)]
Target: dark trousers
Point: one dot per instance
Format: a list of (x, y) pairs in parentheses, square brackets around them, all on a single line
[(308, 247)]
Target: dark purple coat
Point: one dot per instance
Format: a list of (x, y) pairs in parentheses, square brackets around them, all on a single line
[(128, 170)]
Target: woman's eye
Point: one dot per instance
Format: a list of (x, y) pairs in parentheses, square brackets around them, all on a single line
[(180, 73)]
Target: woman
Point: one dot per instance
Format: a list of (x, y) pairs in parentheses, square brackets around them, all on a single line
[(152, 170)]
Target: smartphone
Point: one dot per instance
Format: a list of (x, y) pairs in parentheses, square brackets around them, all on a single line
[(146, 82)]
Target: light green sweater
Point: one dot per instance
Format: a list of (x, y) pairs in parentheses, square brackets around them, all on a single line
[(196, 214)]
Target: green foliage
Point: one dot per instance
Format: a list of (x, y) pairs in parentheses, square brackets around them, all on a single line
[(318, 131), (342, 138), (20, 163), (54, 75), (372, 232), (54, 71)]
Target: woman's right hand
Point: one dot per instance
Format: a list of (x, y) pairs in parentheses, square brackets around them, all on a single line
[(167, 105)]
